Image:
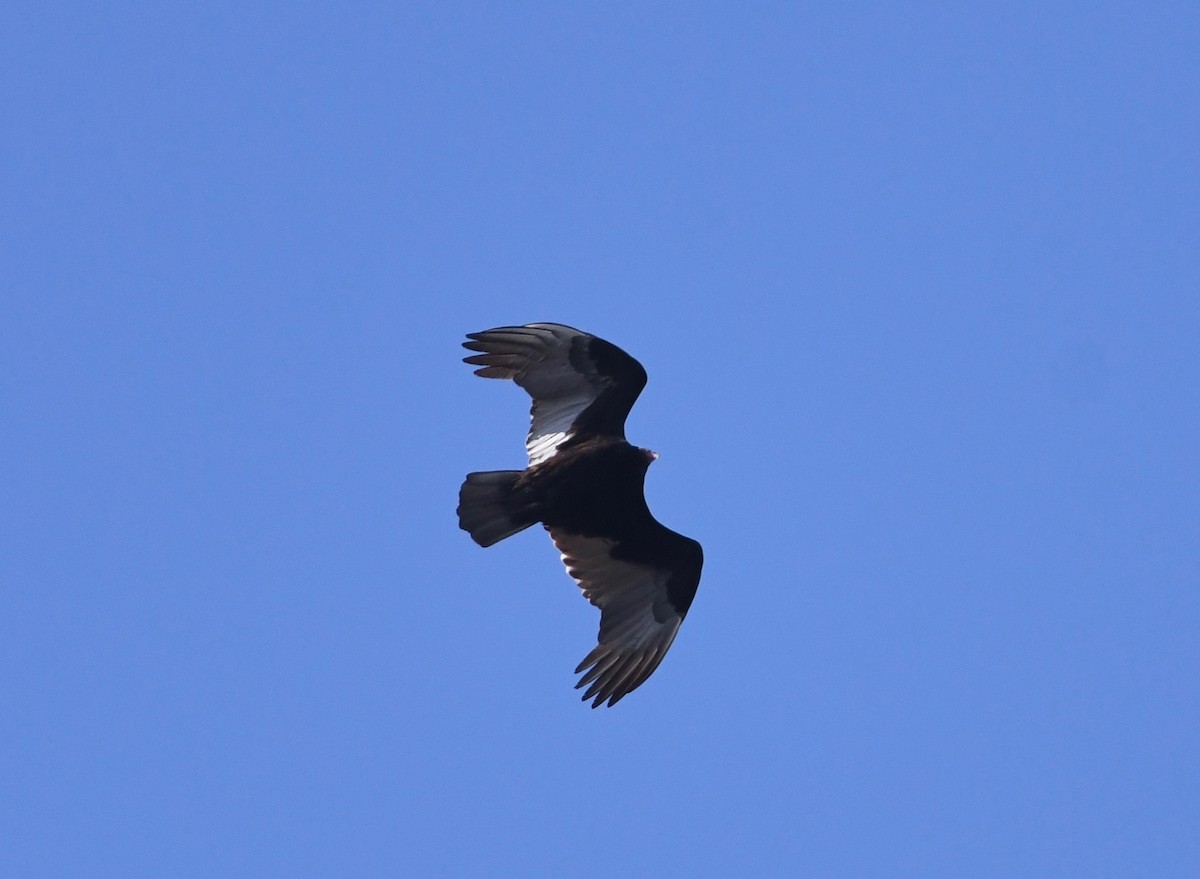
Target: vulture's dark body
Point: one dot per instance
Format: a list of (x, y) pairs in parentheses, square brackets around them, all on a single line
[(595, 488)]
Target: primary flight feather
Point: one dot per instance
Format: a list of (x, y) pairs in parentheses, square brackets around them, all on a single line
[(584, 485)]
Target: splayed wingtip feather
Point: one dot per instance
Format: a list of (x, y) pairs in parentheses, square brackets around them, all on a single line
[(600, 668), (595, 654)]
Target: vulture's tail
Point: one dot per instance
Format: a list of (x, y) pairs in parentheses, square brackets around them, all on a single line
[(487, 509)]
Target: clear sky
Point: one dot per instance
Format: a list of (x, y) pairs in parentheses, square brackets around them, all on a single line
[(918, 290)]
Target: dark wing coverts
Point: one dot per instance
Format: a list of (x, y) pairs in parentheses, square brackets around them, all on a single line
[(579, 383)]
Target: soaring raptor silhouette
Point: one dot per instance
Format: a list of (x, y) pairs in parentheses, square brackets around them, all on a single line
[(584, 484)]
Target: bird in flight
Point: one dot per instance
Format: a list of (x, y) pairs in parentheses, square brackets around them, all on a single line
[(584, 485)]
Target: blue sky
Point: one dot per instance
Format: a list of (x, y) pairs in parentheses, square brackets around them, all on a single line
[(918, 290)]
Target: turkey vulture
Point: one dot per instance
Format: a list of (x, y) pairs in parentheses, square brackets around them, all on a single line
[(584, 484)]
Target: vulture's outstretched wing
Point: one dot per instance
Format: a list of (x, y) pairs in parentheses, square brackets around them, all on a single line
[(580, 384), (643, 585)]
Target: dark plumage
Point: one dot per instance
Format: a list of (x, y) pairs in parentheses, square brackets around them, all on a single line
[(584, 485)]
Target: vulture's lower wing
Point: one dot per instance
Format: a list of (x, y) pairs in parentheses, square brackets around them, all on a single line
[(643, 592), (578, 382)]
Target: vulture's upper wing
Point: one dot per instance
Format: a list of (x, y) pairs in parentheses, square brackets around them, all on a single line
[(643, 584), (580, 383)]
